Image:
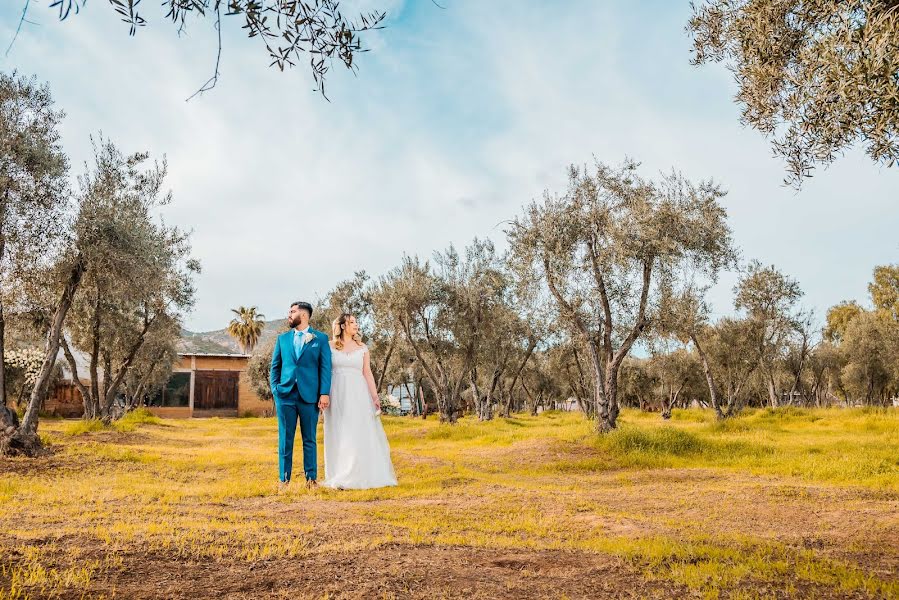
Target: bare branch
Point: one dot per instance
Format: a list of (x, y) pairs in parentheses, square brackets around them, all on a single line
[(218, 57), (19, 27)]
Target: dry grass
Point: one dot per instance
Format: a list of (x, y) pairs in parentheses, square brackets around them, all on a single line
[(773, 504)]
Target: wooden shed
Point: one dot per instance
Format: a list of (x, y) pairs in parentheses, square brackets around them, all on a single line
[(209, 385)]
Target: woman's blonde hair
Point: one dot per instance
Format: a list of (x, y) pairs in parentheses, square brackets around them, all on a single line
[(337, 327)]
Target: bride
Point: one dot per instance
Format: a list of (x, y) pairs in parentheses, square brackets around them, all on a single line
[(357, 455)]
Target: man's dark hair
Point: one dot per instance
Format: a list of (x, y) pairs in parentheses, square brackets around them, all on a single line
[(304, 306)]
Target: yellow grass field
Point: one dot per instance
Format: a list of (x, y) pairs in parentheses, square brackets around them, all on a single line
[(774, 504)]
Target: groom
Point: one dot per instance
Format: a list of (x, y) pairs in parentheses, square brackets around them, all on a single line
[(301, 382)]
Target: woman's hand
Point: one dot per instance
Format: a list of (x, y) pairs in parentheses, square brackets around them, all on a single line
[(377, 403)]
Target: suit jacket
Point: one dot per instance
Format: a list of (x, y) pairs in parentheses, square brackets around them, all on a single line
[(310, 373)]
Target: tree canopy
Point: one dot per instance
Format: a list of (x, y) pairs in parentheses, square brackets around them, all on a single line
[(816, 77), (316, 32)]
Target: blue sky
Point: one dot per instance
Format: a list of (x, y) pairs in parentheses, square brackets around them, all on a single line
[(455, 120)]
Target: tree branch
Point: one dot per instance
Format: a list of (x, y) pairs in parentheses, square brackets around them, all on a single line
[(19, 27), (126, 364), (210, 83), (73, 365), (383, 374), (404, 325), (640, 323), (604, 297), (566, 306)]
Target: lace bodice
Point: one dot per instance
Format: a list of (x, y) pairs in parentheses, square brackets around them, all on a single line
[(343, 361)]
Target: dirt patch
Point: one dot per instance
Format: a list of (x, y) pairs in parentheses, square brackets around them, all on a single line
[(125, 438), (398, 571), (854, 524), (55, 465), (43, 464), (393, 571)]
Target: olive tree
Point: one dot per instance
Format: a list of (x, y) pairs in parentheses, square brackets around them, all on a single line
[(569, 366), (838, 318), (730, 350), (443, 313), (884, 291), (676, 373), (33, 171), (734, 353), (861, 357), (871, 347), (636, 384), (488, 322), (816, 77), (540, 385), (607, 251), (422, 307), (825, 366), (152, 366), (769, 299), (138, 274)]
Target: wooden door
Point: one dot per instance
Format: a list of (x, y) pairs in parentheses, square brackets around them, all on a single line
[(215, 390)]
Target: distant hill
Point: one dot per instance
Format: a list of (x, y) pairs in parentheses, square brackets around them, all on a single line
[(219, 342)]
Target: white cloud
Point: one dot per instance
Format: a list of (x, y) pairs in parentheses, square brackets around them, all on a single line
[(455, 120)]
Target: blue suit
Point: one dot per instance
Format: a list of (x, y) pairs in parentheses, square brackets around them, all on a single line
[(297, 383)]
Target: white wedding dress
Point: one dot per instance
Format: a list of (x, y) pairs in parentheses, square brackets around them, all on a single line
[(357, 455)]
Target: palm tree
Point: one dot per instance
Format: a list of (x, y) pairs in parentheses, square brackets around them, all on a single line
[(246, 327)]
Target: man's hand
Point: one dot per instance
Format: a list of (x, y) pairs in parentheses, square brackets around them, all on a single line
[(324, 401)]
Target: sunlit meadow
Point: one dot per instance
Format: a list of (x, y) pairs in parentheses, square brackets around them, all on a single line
[(775, 503)]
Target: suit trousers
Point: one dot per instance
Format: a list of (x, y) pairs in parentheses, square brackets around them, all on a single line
[(291, 410)]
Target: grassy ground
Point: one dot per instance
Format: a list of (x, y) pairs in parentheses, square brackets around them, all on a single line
[(787, 503)]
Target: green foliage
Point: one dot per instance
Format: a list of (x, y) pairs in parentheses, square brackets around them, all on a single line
[(884, 290), (130, 422), (138, 280), (33, 199), (258, 370), (814, 77), (838, 318), (451, 314), (135, 418), (313, 31), (605, 251), (871, 344), (85, 426), (356, 296), (768, 296)]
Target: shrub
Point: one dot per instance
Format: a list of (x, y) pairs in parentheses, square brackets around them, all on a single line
[(132, 420), (85, 426), (663, 441)]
